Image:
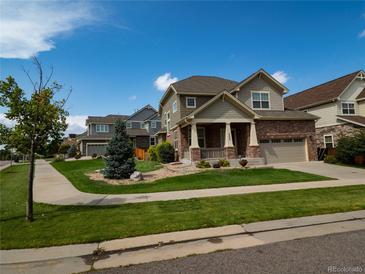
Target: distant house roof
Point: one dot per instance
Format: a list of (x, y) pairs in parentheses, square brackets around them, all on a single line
[(153, 117), (285, 115), (354, 119), (109, 119), (133, 132), (361, 95), (320, 94), (203, 85), (142, 114)]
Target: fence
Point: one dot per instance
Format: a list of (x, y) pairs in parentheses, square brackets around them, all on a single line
[(141, 153)]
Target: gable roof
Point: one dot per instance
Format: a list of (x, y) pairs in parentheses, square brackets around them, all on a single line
[(259, 73), (147, 108), (353, 119), (320, 94), (361, 95), (109, 119), (153, 117)]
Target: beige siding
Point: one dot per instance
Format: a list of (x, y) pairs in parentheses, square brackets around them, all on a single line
[(276, 97), (362, 108), (351, 93), (200, 100), (327, 114), (221, 109), (174, 117)]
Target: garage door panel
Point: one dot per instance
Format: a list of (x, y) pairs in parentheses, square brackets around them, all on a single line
[(98, 149), (282, 152)]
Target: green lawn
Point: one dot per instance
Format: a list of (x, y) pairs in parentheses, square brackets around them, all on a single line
[(75, 172), (59, 225)]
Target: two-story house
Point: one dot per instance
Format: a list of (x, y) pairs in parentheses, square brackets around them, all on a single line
[(210, 117), (339, 103), (141, 128)]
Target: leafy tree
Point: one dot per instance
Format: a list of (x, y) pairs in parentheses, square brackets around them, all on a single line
[(4, 134), (39, 119), (120, 162)]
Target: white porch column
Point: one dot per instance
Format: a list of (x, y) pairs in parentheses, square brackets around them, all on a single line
[(228, 136), (253, 136), (194, 136)]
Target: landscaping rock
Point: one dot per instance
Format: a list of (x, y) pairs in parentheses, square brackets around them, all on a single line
[(136, 176)]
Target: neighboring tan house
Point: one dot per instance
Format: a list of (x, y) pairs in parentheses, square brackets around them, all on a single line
[(101, 129), (210, 118), (339, 103)]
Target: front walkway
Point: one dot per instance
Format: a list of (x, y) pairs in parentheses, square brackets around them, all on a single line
[(53, 188)]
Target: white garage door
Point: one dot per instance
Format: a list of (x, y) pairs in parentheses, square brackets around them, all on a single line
[(283, 150), (98, 149)]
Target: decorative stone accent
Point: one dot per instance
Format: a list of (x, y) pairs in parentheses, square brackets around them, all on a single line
[(253, 152), (195, 154), (230, 152), (337, 131), (136, 176)]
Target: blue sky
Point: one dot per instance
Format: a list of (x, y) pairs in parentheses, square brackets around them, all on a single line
[(112, 52)]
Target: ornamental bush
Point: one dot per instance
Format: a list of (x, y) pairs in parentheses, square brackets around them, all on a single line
[(350, 146), (120, 161), (152, 152), (165, 152), (330, 159), (203, 164)]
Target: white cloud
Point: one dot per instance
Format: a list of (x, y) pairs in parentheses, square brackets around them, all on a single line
[(132, 98), (281, 76), (29, 27), (5, 121), (76, 124), (163, 81), (362, 34)]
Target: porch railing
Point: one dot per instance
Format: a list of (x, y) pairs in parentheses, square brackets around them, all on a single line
[(212, 153)]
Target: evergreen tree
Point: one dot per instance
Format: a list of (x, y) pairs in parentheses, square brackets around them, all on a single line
[(120, 162)]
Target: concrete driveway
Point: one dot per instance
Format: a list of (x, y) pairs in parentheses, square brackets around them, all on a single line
[(320, 168)]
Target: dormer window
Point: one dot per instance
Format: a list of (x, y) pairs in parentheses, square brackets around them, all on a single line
[(348, 108), (102, 128), (260, 100), (191, 102)]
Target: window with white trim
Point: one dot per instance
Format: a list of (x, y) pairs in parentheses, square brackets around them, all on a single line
[(152, 140), (168, 121), (141, 124), (153, 124), (260, 100), (348, 108), (102, 128), (128, 124), (328, 141), (174, 107), (191, 102)]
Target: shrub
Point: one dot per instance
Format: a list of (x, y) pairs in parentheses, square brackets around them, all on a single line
[(350, 146), (224, 163), (216, 165), (120, 162), (72, 151), (64, 149), (78, 156), (152, 152), (165, 152), (94, 155), (330, 159), (202, 164), (58, 159)]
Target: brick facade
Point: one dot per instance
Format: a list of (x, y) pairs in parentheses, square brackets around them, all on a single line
[(195, 154), (230, 152), (253, 152), (289, 129), (337, 131)]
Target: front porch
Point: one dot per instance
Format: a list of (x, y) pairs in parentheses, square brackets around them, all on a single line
[(226, 140)]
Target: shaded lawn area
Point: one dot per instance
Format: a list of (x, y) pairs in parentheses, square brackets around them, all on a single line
[(60, 225), (75, 172)]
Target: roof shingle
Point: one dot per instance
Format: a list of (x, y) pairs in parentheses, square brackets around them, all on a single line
[(353, 118), (111, 118), (361, 95)]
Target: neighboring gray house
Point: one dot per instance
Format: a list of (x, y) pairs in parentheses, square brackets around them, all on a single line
[(339, 103), (141, 127), (207, 117)]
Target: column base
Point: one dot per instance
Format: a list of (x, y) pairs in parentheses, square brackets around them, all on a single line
[(253, 152), (230, 152), (195, 154)]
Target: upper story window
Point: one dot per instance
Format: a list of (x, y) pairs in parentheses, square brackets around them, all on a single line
[(102, 128), (174, 107), (260, 100), (348, 108), (168, 121), (191, 102), (129, 124), (153, 124)]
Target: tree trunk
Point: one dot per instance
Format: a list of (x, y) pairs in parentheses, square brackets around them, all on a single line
[(30, 184)]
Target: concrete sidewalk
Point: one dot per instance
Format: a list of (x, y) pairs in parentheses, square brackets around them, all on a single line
[(122, 252), (53, 188)]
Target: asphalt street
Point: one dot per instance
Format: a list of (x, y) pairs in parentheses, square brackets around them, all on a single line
[(336, 253)]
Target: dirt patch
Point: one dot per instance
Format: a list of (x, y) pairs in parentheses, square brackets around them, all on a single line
[(168, 170)]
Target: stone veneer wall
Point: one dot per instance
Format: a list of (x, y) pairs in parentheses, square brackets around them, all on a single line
[(337, 131), (289, 129)]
